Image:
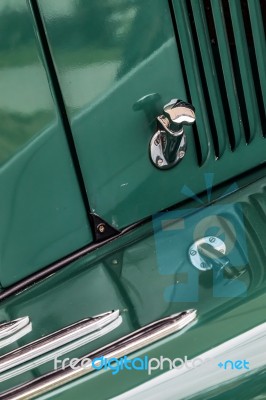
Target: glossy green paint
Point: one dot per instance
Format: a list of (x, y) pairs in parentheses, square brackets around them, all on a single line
[(259, 43), (143, 272), (138, 285), (228, 71), (245, 70), (115, 55), (103, 71), (41, 211), (233, 387)]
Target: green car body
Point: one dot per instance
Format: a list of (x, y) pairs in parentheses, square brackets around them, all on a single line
[(89, 224)]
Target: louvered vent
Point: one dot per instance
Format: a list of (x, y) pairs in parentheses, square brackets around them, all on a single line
[(223, 50)]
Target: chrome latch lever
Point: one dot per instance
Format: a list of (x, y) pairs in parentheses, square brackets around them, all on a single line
[(168, 144)]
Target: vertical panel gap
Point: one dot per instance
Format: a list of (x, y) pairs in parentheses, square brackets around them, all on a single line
[(61, 107)]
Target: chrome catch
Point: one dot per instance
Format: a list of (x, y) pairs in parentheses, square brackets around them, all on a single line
[(168, 144)]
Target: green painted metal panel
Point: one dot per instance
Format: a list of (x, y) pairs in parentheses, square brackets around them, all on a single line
[(41, 209), (245, 68), (137, 284), (227, 69), (210, 73), (259, 43), (194, 80), (117, 52)]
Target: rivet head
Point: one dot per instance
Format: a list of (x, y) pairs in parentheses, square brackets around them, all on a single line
[(181, 154), (101, 228), (115, 261), (159, 161)]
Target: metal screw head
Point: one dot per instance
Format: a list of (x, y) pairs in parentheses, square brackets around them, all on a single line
[(203, 265), (101, 228), (156, 142), (114, 261), (181, 154), (193, 252), (212, 239), (159, 161)]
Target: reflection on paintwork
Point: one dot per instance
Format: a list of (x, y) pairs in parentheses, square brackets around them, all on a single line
[(41, 211), (102, 47), (209, 380), (108, 55), (129, 278), (91, 291), (26, 106), (116, 53)]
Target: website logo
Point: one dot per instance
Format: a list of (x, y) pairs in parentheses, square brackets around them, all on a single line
[(125, 363)]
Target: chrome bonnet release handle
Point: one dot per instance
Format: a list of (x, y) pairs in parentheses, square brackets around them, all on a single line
[(168, 144)]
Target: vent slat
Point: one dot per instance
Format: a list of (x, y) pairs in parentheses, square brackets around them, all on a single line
[(259, 44), (210, 74), (227, 70), (193, 76), (223, 49), (245, 68)]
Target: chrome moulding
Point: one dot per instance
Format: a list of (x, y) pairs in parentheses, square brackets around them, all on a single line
[(56, 344), (119, 348), (11, 331)]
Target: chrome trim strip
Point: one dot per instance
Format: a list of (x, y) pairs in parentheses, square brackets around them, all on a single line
[(56, 339), (63, 350), (11, 331), (10, 327), (16, 336), (121, 347)]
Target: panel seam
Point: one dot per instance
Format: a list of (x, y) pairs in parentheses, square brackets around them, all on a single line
[(61, 107)]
